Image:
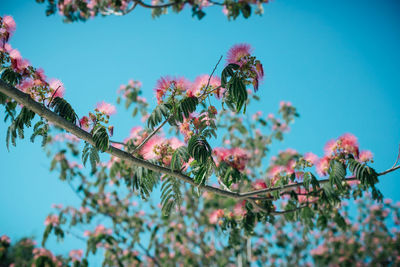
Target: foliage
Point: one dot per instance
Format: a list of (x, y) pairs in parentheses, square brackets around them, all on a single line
[(215, 201)]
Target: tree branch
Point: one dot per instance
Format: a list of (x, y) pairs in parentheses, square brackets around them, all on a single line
[(42, 111), (25, 100)]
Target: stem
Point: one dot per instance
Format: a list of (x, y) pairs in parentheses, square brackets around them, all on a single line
[(151, 135)]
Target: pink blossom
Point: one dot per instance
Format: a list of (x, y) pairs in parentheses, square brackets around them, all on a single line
[(148, 150), (239, 209), (320, 250), (200, 84), (236, 157), (57, 88), (52, 219), (215, 215), (5, 239), (9, 24), (26, 85), (165, 83), (365, 156), (349, 143), (330, 147), (237, 52), (106, 108), (76, 255), (323, 166), (311, 158), (84, 122), (259, 184)]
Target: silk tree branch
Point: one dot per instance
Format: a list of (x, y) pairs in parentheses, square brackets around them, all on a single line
[(25, 100), (40, 109), (290, 186)]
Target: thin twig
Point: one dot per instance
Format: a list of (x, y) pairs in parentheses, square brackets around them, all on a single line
[(151, 135), (51, 99), (209, 79), (397, 159), (154, 258)]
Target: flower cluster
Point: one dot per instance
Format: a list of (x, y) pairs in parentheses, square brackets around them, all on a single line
[(235, 157), (42, 252), (99, 230), (240, 54), (342, 147), (19, 71)]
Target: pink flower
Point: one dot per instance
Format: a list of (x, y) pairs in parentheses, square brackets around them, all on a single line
[(76, 255), (5, 239), (26, 85), (237, 52), (323, 166), (106, 108), (349, 143), (165, 83), (365, 156), (239, 211), (330, 147), (9, 24), (84, 122), (215, 215), (311, 158), (52, 219), (148, 151), (259, 184), (236, 157), (201, 82), (15, 54), (57, 88)]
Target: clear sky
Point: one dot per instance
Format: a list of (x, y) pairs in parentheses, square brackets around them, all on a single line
[(336, 61)]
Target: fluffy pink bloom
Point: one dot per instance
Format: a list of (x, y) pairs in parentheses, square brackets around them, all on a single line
[(26, 85), (365, 156), (259, 184), (58, 87), (330, 147), (239, 209), (84, 122), (201, 82), (5, 239), (311, 158), (237, 52), (323, 166), (167, 82), (148, 150), (76, 255), (175, 143), (52, 219), (320, 250), (349, 143), (236, 157), (215, 215), (9, 24), (106, 108)]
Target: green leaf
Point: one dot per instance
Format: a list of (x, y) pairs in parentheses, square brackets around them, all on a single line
[(199, 148), (171, 195), (186, 106), (181, 155), (337, 173), (157, 115), (63, 109), (101, 138)]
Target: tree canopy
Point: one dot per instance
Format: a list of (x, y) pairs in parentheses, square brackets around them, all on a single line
[(192, 184)]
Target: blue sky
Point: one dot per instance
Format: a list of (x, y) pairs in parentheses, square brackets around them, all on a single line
[(336, 61)]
